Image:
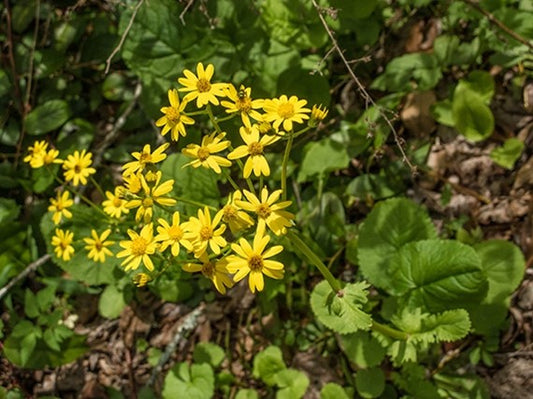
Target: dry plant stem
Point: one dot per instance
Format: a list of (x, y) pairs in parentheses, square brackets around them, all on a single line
[(362, 89), (499, 24), (190, 321), (123, 37), (182, 14), (30, 268)]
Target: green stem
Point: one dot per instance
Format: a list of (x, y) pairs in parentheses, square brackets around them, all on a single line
[(284, 167), (231, 181), (213, 119), (314, 259), (195, 203), (93, 181), (389, 331), (300, 132)]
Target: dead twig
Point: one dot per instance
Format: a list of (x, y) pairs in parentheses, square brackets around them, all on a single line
[(123, 37), (30, 268), (182, 14), (362, 90)]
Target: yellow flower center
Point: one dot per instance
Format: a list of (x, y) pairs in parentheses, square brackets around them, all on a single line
[(145, 157), (286, 110), (172, 114), (255, 148), (98, 245), (203, 153), (48, 159), (117, 202), (255, 262), (138, 246), (175, 233), (77, 168), (208, 269), (263, 211), (203, 85), (148, 202), (206, 232), (63, 245), (244, 104)]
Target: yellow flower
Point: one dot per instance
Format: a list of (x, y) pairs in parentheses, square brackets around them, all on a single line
[(203, 232), (153, 194), (200, 87), (285, 111), (132, 183), (203, 154), (253, 260), (61, 241), (172, 235), (268, 211), (144, 158), (242, 103), (35, 153), (77, 167), (97, 246), (317, 115), (138, 249), (115, 204), (232, 214), (59, 206), (141, 279), (254, 149), (214, 270), (174, 119)]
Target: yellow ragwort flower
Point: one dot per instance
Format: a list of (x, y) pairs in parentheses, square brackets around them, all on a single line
[(36, 153), (172, 235), (141, 279), (62, 241), (59, 206), (253, 260), (232, 214), (242, 103), (202, 231), (115, 204), (174, 119), (284, 111), (138, 249), (318, 114), (97, 246), (153, 193), (203, 154), (253, 148), (200, 87), (212, 269), (144, 158), (78, 167), (268, 212), (132, 183)]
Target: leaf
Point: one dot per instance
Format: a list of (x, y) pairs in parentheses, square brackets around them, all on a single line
[(482, 83), (471, 116), (333, 391), (292, 383), (322, 157), (389, 226), (194, 382), (508, 153), (373, 186), (47, 117), (362, 349), (246, 394), (370, 383), (342, 314), (267, 364), (111, 302), (301, 83), (468, 386), (9, 210), (438, 275), (30, 304), (208, 352), (442, 111)]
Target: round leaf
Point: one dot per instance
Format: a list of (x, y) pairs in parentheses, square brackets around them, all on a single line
[(362, 349), (370, 383), (471, 116), (47, 117)]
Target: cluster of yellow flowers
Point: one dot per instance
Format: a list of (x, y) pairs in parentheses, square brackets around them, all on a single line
[(225, 257)]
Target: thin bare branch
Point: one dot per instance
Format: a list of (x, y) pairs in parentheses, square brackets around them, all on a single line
[(30, 268)]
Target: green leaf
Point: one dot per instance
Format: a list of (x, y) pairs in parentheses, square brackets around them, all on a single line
[(389, 226), (246, 394), (342, 314), (442, 111), (471, 116), (9, 210), (301, 83), (438, 275), (267, 364), (30, 304), (480, 82), (208, 352), (451, 51), (420, 71), (194, 382), (322, 157), (194, 184), (355, 9), (362, 349), (292, 383), (462, 386), (47, 117), (508, 153), (370, 383), (333, 391), (111, 302), (373, 186)]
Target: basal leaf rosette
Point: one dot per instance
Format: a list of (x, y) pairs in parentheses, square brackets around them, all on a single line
[(390, 225), (341, 311)]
